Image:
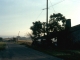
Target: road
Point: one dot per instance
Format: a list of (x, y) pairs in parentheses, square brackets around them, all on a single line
[(20, 52)]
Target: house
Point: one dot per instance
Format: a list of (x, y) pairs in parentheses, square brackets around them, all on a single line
[(75, 34), (70, 37)]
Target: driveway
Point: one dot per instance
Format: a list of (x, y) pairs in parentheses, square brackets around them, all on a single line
[(20, 52)]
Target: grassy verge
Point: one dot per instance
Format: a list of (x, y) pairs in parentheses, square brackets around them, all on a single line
[(2, 45), (28, 44), (65, 54)]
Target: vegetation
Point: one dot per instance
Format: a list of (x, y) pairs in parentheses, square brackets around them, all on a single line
[(1, 38), (66, 54), (57, 23), (2, 45), (58, 29), (24, 43)]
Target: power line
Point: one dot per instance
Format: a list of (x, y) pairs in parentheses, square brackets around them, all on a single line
[(49, 7), (52, 6), (57, 3), (39, 15)]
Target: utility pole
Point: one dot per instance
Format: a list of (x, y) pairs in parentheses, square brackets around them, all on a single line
[(47, 17), (18, 36), (18, 33), (48, 43)]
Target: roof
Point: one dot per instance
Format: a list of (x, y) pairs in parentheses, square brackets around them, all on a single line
[(75, 28)]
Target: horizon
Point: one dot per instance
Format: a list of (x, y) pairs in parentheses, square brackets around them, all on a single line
[(14, 36)]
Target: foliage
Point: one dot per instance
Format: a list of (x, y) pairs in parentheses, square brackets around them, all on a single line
[(1, 38), (2, 45), (57, 22), (37, 29), (31, 36)]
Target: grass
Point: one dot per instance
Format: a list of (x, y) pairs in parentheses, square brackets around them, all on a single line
[(24, 43), (66, 54), (2, 45)]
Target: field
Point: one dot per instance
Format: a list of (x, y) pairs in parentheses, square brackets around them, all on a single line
[(25, 42)]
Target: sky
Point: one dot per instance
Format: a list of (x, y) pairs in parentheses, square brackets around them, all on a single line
[(18, 15)]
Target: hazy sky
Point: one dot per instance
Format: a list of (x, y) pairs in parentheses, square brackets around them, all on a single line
[(18, 15)]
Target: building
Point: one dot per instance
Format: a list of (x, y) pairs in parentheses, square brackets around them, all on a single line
[(70, 37)]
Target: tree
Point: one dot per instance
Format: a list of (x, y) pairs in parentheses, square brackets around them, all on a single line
[(57, 22), (44, 28), (1, 38), (58, 26), (36, 29), (31, 36)]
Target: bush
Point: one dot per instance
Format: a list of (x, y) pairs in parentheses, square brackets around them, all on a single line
[(1, 38)]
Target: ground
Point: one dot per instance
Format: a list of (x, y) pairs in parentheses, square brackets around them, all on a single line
[(14, 51)]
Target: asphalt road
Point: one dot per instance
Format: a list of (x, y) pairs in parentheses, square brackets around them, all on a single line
[(19, 52)]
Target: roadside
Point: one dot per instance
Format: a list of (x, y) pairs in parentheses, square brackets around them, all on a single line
[(69, 54), (2, 45)]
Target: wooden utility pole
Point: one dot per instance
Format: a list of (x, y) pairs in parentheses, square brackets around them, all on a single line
[(47, 17), (48, 41)]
